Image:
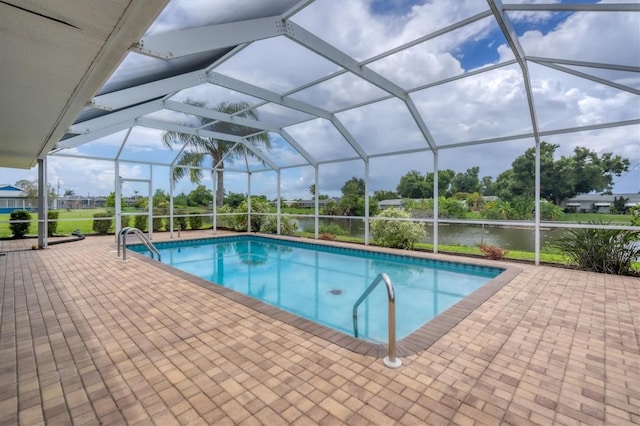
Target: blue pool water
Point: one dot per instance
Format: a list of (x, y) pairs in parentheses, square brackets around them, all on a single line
[(322, 283)]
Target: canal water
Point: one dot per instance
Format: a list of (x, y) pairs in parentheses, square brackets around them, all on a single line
[(508, 238)]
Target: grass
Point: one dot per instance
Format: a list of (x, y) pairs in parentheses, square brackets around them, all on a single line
[(620, 219), (70, 220)]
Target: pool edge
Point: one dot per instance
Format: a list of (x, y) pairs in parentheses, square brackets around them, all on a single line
[(416, 342)]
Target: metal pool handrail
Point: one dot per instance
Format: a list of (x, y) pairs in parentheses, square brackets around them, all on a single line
[(122, 239), (390, 361)]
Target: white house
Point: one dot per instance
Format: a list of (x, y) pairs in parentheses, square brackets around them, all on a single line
[(13, 198), (598, 203)]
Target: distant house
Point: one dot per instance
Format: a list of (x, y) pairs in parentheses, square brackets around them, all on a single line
[(598, 203), (397, 203), (14, 198), (74, 202), (309, 204)]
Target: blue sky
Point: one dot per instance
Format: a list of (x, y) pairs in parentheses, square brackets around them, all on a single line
[(488, 105)]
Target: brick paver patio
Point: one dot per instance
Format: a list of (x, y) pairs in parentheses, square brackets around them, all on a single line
[(86, 339)]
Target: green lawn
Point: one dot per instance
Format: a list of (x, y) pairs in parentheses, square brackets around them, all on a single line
[(620, 219), (70, 220)]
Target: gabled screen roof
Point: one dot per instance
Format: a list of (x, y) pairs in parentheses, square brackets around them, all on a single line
[(416, 77)]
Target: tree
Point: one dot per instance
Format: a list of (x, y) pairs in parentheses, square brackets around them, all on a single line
[(466, 182), (312, 189), (69, 192), (110, 201), (201, 196), (412, 185), (487, 186), (160, 199), (619, 205), (30, 188), (381, 194), (415, 185), (199, 147), (354, 186), (234, 199), (560, 179)]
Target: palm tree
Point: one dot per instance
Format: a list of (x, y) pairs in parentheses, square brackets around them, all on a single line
[(199, 147)]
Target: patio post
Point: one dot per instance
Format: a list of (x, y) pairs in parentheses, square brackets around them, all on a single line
[(436, 194), (278, 202), (43, 205)]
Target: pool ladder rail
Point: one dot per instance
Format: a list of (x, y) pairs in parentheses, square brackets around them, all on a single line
[(122, 242), (390, 361)]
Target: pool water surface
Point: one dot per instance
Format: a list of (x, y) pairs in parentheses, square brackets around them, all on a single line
[(322, 283)]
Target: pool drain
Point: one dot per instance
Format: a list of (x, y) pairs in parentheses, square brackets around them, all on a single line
[(335, 292)]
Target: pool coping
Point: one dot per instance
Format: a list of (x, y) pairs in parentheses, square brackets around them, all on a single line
[(416, 342)]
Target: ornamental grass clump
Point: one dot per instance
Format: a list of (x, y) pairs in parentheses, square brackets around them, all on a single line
[(396, 233), (609, 251)]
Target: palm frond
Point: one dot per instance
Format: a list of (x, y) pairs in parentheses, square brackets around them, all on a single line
[(193, 159)]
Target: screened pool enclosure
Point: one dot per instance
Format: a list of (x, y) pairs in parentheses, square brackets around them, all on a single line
[(371, 89)]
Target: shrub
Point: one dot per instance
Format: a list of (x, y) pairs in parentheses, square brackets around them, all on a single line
[(141, 222), (19, 229), (288, 225), (396, 234), (102, 222), (223, 221), (549, 211), (610, 251), (195, 222), (492, 252), (179, 222), (157, 224), (124, 221), (258, 205), (52, 227)]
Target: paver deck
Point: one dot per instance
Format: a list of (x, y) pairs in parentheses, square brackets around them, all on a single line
[(86, 339)]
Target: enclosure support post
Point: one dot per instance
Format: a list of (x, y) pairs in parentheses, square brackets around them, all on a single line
[(249, 202), (436, 195), (366, 202), (150, 202), (317, 205), (118, 200), (537, 205), (171, 184), (278, 202), (214, 207), (43, 205)]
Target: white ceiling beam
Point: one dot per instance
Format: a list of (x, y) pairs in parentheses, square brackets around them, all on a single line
[(175, 44), (295, 9), (545, 133), (144, 92), (511, 36), (590, 77), (429, 36), (575, 7), (111, 119), (162, 125), (94, 135), (268, 95), (327, 51), (294, 143), (219, 116), (615, 67)]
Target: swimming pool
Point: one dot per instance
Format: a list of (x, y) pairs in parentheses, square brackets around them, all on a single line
[(321, 283)]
